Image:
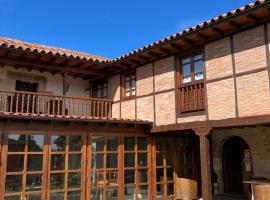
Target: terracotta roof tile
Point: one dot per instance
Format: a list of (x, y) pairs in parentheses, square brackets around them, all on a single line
[(27, 46)]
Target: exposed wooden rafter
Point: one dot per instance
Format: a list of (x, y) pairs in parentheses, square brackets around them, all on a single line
[(218, 30)]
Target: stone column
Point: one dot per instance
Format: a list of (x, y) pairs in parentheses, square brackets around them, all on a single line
[(205, 162)]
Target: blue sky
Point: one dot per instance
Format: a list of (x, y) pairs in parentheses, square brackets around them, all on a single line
[(104, 27)]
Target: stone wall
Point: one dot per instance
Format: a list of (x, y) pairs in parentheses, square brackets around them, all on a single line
[(259, 143)]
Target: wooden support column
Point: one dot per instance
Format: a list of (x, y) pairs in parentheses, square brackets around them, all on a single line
[(65, 83), (205, 162)]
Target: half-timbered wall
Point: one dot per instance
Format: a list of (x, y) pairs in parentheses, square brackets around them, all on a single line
[(237, 70)]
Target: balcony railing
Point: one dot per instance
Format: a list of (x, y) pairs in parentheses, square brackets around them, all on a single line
[(191, 98), (51, 105)]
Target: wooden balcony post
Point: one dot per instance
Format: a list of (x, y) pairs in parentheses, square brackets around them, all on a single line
[(205, 162)]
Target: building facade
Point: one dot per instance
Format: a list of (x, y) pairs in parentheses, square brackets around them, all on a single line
[(192, 106)]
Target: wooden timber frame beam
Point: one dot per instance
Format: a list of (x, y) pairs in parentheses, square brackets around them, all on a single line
[(53, 67), (259, 120)]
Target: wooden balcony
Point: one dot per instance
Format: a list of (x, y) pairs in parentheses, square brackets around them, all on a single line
[(191, 98), (16, 103)]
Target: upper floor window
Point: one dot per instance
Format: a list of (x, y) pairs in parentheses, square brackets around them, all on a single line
[(190, 84), (100, 88), (129, 83), (192, 68)]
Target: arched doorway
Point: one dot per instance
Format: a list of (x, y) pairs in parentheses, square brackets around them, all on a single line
[(237, 166)]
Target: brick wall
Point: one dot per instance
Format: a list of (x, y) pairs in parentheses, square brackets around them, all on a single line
[(245, 92)]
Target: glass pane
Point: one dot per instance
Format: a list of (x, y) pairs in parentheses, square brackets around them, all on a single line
[(129, 143), (168, 144), (169, 174), (74, 180), (186, 60), (33, 182), (160, 175), (33, 197), (74, 196), (16, 143), (112, 178), (143, 175), (58, 143), (169, 159), (97, 194), (112, 160), (35, 143), (57, 181), (111, 194), (142, 143), (98, 143), (112, 143), (159, 144), (129, 193), (170, 189), (198, 56), (198, 66), (133, 84), (57, 196), (15, 163), (98, 179), (13, 183), (34, 162), (129, 159), (160, 190), (127, 85), (187, 79), (199, 76), (143, 192), (58, 162), (159, 159), (129, 176), (74, 161), (97, 160), (142, 159), (75, 143), (186, 69), (13, 198)]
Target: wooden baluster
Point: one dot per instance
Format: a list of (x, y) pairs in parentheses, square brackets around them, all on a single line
[(38, 104), (27, 103), (98, 108), (195, 100), (106, 109), (58, 105), (110, 109), (33, 103), (22, 103), (101, 108), (16, 103), (5, 103), (90, 108), (94, 108), (11, 102), (53, 107)]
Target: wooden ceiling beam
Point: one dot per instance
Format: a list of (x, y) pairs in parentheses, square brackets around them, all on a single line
[(176, 46), (165, 50), (55, 68), (235, 24), (135, 61), (155, 54), (188, 41), (252, 17), (218, 30), (203, 36), (146, 58)]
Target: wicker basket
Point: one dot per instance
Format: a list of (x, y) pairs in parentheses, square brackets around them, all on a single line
[(186, 189), (261, 192)]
